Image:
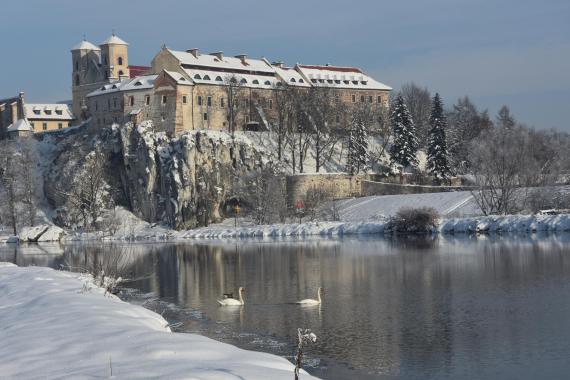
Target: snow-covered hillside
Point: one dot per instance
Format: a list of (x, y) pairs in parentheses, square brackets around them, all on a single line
[(100, 336)]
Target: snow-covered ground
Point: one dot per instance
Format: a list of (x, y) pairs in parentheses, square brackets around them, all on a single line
[(59, 325)]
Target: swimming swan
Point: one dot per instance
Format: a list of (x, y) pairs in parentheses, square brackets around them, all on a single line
[(312, 301), (233, 301)]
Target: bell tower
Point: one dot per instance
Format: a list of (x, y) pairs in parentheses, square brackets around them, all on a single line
[(84, 61), (115, 58)]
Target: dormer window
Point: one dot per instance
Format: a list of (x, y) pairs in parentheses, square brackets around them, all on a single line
[(59, 112), (363, 82), (219, 79), (138, 83), (243, 81), (346, 82), (321, 81), (48, 112), (37, 112), (314, 80), (330, 81), (267, 83), (293, 80), (255, 81), (206, 77), (354, 82), (197, 76), (103, 88), (301, 80), (114, 87), (337, 81)]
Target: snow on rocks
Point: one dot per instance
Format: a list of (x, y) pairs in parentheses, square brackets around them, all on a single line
[(508, 223), (59, 325), (42, 233)]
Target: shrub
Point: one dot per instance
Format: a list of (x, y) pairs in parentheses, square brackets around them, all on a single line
[(414, 220)]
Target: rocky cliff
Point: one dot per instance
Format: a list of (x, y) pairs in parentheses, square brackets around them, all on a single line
[(182, 181)]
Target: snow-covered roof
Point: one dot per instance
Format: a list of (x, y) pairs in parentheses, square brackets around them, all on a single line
[(219, 78), (114, 40), (340, 77), (20, 125), (212, 62), (291, 76), (179, 78), (139, 83), (85, 45), (35, 111)]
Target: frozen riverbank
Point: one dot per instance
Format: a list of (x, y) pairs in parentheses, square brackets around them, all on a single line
[(59, 325)]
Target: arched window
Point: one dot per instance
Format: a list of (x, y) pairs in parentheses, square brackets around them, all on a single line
[(77, 80), (267, 83), (255, 81), (293, 80), (206, 77), (219, 78), (243, 81), (197, 76), (120, 61), (301, 81), (121, 73)]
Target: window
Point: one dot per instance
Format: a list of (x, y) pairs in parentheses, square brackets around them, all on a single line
[(314, 80), (379, 99), (330, 81), (120, 61), (353, 98), (184, 99), (59, 125), (131, 101), (209, 101), (293, 80), (270, 104), (37, 112), (301, 81), (114, 102), (199, 100), (337, 81), (44, 126), (219, 79), (69, 124), (147, 100), (363, 82), (345, 82), (267, 83), (205, 116), (354, 82), (108, 104), (243, 81), (48, 112), (138, 83), (206, 77), (197, 76), (163, 99), (247, 118), (77, 80), (96, 106), (59, 112), (361, 98), (222, 102), (255, 81), (76, 65), (121, 73), (370, 99)]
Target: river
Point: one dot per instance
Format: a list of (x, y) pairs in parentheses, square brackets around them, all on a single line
[(426, 308)]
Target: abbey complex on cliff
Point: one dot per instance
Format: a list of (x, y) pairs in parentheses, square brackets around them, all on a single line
[(187, 90)]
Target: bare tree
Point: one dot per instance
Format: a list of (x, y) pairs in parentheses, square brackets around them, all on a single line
[(283, 105), (233, 88)]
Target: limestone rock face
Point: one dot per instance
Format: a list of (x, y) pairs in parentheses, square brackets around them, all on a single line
[(181, 181)]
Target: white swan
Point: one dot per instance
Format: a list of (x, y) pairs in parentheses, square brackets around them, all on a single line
[(233, 301), (309, 301)]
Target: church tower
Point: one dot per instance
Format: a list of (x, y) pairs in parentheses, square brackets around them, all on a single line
[(85, 58), (115, 58)]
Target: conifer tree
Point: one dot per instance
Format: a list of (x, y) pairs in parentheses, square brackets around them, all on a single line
[(357, 158), (437, 154), (405, 145)]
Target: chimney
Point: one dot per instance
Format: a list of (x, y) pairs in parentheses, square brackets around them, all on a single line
[(242, 57), (194, 52), (279, 64), (21, 106), (218, 54)]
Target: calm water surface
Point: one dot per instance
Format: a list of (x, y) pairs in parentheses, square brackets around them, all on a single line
[(406, 309)]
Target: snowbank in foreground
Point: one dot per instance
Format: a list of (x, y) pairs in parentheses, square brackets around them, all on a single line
[(58, 325)]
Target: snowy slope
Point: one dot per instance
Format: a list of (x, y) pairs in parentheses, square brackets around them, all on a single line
[(459, 203), (58, 325)]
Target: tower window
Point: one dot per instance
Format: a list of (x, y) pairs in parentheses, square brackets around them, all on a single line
[(131, 101), (77, 80), (222, 103), (199, 100), (184, 99), (121, 73), (163, 99), (76, 65), (209, 101), (147, 100), (120, 61)]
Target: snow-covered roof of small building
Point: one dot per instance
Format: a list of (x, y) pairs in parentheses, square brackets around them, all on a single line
[(179, 78), (131, 84), (220, 78), (213, 62), (34, 111), (340, 77), (20, 125), (114, 40), (85, 45)]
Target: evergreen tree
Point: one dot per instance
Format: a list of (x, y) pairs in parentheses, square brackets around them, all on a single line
[(504, 118), (357, 158), (437, 155), (405, 145)]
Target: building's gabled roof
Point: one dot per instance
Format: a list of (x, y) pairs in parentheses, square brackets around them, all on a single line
[(20, 125), (114, 40), (212, 62), (291, 77), (48, 112), (131, 84), (179, 78), (85, 45), (340, 77)]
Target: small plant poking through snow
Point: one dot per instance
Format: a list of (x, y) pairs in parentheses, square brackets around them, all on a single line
[(305, 337)]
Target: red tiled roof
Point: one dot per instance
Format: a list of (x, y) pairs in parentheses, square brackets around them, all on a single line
[(136, 71), (333, 68)]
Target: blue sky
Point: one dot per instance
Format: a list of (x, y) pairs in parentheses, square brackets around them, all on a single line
[(514, 52)]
